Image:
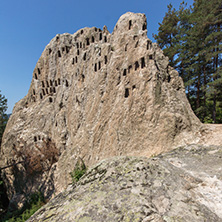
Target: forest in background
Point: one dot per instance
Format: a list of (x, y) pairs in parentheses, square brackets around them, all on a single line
[(192, 39)]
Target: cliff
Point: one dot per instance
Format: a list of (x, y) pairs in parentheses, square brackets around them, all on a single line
[(95, 95)]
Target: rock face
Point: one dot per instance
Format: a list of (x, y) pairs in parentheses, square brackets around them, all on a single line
[(95, 95), (182, 185)]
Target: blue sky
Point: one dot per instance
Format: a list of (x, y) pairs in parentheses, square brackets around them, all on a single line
[(27, 26)]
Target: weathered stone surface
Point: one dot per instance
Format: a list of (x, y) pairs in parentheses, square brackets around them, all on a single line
[(95, 95), (182, 185)]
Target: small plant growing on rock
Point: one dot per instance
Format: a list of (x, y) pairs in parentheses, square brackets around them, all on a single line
[(79, 171)]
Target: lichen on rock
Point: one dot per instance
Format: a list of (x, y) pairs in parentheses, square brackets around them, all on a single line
[(169, 187)]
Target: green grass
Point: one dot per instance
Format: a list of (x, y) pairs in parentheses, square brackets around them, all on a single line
[(78, 172)]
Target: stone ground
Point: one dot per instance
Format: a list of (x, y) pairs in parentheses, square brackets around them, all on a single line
[(182, 185)]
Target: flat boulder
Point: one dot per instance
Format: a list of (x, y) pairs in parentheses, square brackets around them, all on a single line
[(182, 185)]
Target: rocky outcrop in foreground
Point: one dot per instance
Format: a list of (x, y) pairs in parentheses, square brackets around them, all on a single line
[(182, 185), (95, 95)]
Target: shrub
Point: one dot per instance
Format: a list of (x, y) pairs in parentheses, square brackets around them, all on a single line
[(79, 171), (34, 202), (36, 159)]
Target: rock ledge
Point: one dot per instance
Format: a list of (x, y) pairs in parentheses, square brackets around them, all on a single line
[(182, 185)]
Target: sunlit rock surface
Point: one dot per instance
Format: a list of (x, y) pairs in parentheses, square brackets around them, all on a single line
[(94, 95)]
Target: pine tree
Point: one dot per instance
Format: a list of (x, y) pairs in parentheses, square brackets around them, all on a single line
[(167, 32), (184, 54), (206, 21), (212, 24), (3, 116), (196, 36), (194, 49)]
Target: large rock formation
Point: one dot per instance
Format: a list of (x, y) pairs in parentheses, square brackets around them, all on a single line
[(183, 185), (95, 95)]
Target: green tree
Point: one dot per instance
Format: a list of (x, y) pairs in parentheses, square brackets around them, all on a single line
[(205, 36), (3, 115), (167, 32), (212, 25), (195, 51), (3, 121)]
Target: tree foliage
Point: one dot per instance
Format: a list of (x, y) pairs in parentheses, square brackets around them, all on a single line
[(3, 115), (3, 121), (192, 39), (32, 204)]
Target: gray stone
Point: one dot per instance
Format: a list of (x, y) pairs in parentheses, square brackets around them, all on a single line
[(182, 185)]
